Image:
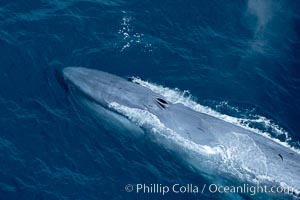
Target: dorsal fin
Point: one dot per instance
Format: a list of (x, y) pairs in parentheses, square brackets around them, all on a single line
[(280, 156)]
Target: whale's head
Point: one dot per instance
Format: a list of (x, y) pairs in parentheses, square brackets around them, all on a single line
[(104, 88)]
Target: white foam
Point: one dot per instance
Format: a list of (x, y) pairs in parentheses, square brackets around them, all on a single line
[(267, 123), (232, 144), (225, 154), (185, 98)]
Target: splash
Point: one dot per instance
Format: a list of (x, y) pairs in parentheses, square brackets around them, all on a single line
[(262, 10), (185, 98), (131, 37), (225, 157)]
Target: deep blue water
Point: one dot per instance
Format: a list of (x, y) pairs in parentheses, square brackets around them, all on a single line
[(240, 58)]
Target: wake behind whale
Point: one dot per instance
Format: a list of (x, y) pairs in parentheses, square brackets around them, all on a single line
[(224, 147)]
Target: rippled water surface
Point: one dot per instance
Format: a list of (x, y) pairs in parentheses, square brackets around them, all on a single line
[(238, 61)]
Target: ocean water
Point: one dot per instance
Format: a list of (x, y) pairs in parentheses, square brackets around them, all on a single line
[(235, 60)]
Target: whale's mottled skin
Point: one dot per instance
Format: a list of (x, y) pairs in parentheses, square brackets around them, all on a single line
[(276, 160)]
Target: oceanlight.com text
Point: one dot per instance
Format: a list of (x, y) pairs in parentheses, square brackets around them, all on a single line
[(161, 189)]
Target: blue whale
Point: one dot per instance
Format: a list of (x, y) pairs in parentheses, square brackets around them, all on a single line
[(240, 151)]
